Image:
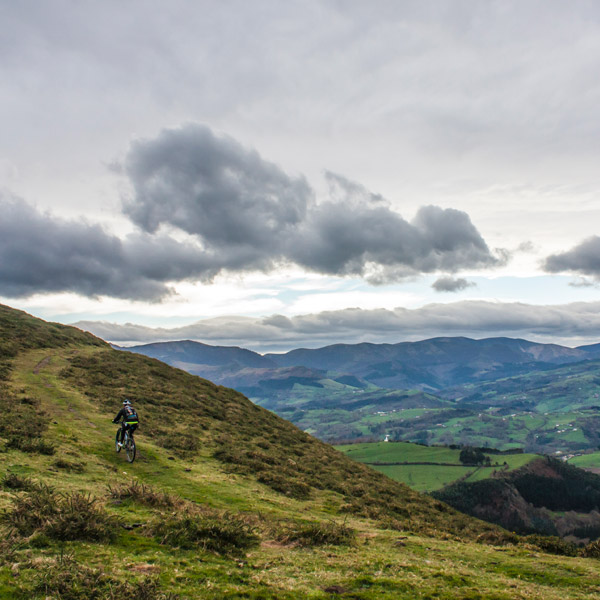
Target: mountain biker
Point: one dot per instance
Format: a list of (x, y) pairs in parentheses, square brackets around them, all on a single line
[(130, 420)]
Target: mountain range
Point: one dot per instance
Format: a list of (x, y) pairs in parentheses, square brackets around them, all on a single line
[(429, 365)]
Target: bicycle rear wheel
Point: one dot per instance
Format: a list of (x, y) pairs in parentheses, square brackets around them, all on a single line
[(130, 449)]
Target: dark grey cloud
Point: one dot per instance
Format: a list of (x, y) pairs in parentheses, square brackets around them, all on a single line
[(573, 324), (214, 188), (40, 253), (450, 284), (377, 243), (234, 202), (583, 259), (241, 213)]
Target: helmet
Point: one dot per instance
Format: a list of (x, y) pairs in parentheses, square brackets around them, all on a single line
[(126, 402)]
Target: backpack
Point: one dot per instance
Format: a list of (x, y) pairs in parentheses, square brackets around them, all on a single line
[(130, 414)]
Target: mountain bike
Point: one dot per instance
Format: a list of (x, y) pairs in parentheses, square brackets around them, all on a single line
[(128, 443)]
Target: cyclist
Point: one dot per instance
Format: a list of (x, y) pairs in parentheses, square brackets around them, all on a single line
[(130, 420)]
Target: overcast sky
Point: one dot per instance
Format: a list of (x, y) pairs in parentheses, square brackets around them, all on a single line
[(276, 175)]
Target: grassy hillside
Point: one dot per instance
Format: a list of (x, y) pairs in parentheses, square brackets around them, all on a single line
[(428, 468), (225, 500)]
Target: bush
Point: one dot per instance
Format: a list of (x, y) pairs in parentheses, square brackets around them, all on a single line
[(12, 481), (318, 534), (61, 517), (471, 456), (31, 445), (551, 545), (592, 550), (220, 533), (294, 488), (71, 467), (144, 494), (498, 537), (181, 443), (69, 580)]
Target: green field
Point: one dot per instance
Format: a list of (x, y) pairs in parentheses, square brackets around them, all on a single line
[(444, 468), (586, 461)]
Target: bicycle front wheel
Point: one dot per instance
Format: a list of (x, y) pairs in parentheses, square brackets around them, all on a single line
[(117, 447), (130, 449)]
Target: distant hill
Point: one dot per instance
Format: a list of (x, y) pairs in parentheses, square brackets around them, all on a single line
[(195, 353), (545, 496), (433, 364), (592, 350), (430, 365)]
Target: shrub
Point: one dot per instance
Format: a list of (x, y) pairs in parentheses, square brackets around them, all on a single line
[(220, 533), (147, 589), (9, 548), (181, 443), (71, 467), (144, 494), (31, 445), (498, 537), (592, 550), (294, 488), (12, 481), (69, 580), (32, 511), (61, 517), (318, 534), (551, 545)]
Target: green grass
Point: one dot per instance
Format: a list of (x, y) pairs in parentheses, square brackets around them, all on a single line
[(425, 478), (586, 461), (444, 464), (399, 452)]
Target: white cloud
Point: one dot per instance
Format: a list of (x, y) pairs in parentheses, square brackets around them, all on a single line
[(570, 324)]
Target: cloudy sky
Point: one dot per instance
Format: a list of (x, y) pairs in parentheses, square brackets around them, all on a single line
[(275, 175)]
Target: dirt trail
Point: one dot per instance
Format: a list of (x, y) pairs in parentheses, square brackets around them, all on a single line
[(41, 364)]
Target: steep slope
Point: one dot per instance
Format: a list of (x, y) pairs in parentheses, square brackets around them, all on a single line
[(225, 500)]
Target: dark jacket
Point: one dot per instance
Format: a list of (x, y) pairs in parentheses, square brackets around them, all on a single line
[(128, 414)]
